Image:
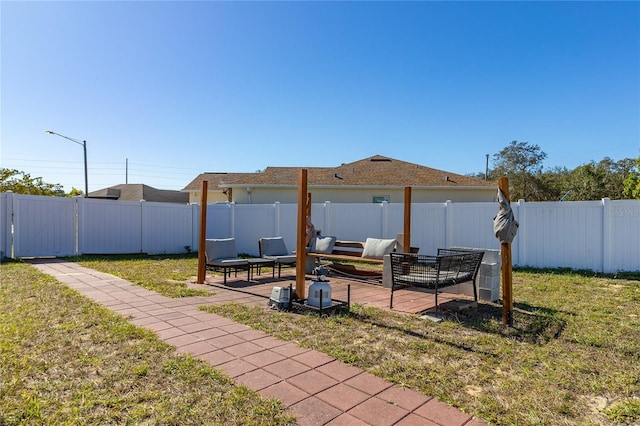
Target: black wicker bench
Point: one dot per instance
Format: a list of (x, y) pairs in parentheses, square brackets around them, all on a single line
[(449, 267)]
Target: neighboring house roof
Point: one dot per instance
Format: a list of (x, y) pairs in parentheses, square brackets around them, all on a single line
[(376, 171), (137, 192)]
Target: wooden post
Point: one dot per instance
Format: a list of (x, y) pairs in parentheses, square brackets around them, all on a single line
[(406, 240), (301, 251), (202, 240), (507, 274)]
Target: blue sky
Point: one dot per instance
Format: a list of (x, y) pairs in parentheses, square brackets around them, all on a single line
[(180, 88)]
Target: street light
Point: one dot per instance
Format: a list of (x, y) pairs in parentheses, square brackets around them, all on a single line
[(84, 146)]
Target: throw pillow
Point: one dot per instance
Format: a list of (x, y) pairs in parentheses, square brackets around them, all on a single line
[(376, 248), (323, 244)]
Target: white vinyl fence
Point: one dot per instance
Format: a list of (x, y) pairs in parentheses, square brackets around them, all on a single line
[(601, 236)]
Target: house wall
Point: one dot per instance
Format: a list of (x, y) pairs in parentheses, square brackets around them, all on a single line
[(259, 195), (212, 197)]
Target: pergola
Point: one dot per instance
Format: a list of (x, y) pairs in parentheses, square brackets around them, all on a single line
[(304, 211)]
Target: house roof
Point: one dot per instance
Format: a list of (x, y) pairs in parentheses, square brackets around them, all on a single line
[(374, 171), (137, 192)]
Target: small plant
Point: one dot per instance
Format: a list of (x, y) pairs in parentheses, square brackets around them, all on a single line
[(626, 412)]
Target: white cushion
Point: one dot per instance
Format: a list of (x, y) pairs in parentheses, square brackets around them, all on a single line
[(221, 248), (282, 259), (228, 262), (273, 246), (376, 248), (323, 244)]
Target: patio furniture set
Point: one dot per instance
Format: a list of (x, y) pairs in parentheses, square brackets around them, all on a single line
[(434, 272), (222, 256)]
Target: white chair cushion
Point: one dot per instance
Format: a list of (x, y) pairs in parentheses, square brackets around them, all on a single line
[(221, 248), (323, 244), (228, 262), (376, 248), (290, 258), (274, 246)]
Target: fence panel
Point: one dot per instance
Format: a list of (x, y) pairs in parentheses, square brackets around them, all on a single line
[(288, 224), (472, 225), (220, 222), (109, 227), (354, 222), (44, 226), (594, 235), (253, 221), (166, 228), (249, 222), (428, 227), (622, 235), (6, 211), (559, 234), (393, 218), (319, 216)]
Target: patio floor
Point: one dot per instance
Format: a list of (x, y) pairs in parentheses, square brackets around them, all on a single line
[(363, 292), (317, 388)]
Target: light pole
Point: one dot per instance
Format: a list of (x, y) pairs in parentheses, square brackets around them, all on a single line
[(84, 146)]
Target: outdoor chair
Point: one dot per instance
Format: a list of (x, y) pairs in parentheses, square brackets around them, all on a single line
[(221, 255), (274, 248)]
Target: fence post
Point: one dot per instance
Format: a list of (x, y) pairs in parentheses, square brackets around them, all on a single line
[(606, 236), (6, 226), (142, 227), (448, 223), (384, 222), (521, 258), (327, 220), (276, 207), (78, 226), (232, 220)]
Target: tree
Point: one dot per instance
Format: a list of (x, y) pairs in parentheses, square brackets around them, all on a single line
[(75, 192), (594, 181), (555, 183), (521, 162), (632, 182), (22, 183)]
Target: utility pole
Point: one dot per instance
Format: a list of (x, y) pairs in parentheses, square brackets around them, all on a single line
[(486, 168), (84, 146)]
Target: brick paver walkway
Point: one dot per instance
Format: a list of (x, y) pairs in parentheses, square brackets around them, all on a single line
[(317, 388)]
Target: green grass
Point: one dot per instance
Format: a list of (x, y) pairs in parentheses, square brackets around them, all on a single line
[(167, 275), (66, 360), (571, 358)]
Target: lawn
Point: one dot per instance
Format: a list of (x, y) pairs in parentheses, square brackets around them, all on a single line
[(66, 360), (571, 358)]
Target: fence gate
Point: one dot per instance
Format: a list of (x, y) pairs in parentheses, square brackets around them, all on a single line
[(44, 226)]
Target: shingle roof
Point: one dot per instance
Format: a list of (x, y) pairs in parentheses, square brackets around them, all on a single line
[(138, 191), (372, 171)]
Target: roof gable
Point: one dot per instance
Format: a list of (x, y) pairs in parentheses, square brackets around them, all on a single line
[(138, 191), (368, 172)]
